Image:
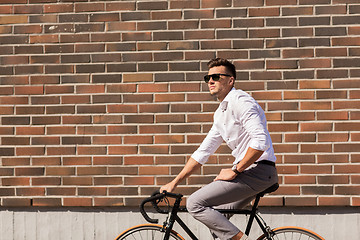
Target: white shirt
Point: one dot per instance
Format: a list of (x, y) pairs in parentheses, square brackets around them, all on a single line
[(241, 123)]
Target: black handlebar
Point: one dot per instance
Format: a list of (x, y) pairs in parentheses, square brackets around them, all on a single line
[(155, 199)]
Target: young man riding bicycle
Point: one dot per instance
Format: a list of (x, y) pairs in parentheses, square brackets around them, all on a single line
[(241, 123)]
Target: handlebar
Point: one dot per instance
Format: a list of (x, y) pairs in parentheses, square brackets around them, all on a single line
[(155, 199)]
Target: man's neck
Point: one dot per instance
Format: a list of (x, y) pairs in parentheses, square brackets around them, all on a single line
[(221, 98)]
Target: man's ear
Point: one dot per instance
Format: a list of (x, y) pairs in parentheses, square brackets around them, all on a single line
[(232, 81)]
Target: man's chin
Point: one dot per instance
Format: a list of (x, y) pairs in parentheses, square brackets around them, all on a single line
[(213, 93)]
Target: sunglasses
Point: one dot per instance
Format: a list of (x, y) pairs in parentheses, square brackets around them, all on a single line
[(215, 77)]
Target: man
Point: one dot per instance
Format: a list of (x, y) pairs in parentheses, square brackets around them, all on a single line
[(241, 123)]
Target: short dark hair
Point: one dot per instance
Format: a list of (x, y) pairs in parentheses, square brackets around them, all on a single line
[(222, 62)]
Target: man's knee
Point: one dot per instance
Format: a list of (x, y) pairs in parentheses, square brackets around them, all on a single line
[(192, 205)]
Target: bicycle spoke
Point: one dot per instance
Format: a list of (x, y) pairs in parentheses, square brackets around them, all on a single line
[(291, 236), (292, 233), (147, 232)]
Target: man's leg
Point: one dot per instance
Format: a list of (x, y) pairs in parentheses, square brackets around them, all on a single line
[(201, 203), (235, 205)]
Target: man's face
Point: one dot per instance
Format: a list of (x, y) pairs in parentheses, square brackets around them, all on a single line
[(221, 87)]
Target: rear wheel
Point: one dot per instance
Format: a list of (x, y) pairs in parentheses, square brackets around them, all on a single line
[(147, 232), (292, 233)]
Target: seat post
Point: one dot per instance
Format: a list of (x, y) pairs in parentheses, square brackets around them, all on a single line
[(252, 215)]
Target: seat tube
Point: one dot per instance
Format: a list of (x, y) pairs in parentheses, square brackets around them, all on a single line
[(252, 215)]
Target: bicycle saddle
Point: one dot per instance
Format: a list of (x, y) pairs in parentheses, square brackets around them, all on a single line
[(270, 189)]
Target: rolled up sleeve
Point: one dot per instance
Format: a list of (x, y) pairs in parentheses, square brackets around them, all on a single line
[(209, 145), (254, 122)]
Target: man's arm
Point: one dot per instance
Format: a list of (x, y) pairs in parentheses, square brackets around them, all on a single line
[(250, 157), (188, 169), (209, 145)]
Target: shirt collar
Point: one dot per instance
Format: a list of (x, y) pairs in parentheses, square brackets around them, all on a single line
[(224, 103)]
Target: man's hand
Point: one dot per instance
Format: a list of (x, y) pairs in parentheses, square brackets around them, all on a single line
[(168, 187), (189, 168), (226, 174)]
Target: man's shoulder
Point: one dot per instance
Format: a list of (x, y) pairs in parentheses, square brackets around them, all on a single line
[(239, 95), (241, 101)]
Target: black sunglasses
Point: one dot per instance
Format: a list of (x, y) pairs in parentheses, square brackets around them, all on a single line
[(215, 77)]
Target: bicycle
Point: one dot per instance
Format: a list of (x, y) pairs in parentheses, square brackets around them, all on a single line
[(156, 232)]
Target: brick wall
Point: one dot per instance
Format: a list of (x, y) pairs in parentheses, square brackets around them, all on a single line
[(102, 101)]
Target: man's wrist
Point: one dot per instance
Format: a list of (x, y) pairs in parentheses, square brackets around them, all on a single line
[(235, 170)]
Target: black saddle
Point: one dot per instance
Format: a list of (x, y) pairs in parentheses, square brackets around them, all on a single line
[(270, 189)]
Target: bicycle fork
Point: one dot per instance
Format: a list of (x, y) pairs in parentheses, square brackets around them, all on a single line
[(168, 225)]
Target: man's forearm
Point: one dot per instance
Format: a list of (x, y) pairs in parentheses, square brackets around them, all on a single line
[(191, 166), (250, 157), (188, 169)]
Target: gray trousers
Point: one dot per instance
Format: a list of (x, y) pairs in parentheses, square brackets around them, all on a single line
[(234, 194)]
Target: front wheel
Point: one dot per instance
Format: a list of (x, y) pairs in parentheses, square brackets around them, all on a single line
[(147, 232), (292, 233)]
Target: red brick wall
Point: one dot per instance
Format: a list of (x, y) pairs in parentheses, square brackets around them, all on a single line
[(102, 101)]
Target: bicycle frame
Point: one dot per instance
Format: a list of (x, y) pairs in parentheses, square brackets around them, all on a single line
[(168, 225), (166, 230)]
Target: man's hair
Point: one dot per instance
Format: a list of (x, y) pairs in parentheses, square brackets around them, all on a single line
[(223, 62)]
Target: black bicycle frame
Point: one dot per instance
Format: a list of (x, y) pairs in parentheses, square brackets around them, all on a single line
[(175, 218), (169, 224), (253, 215)]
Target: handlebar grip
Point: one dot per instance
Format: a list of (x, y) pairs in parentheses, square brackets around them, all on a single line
[(153, 199), (147, 218), (154, 203), (150, 199)]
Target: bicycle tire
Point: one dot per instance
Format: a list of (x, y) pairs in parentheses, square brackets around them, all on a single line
[(147, 232), (292, 233)]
